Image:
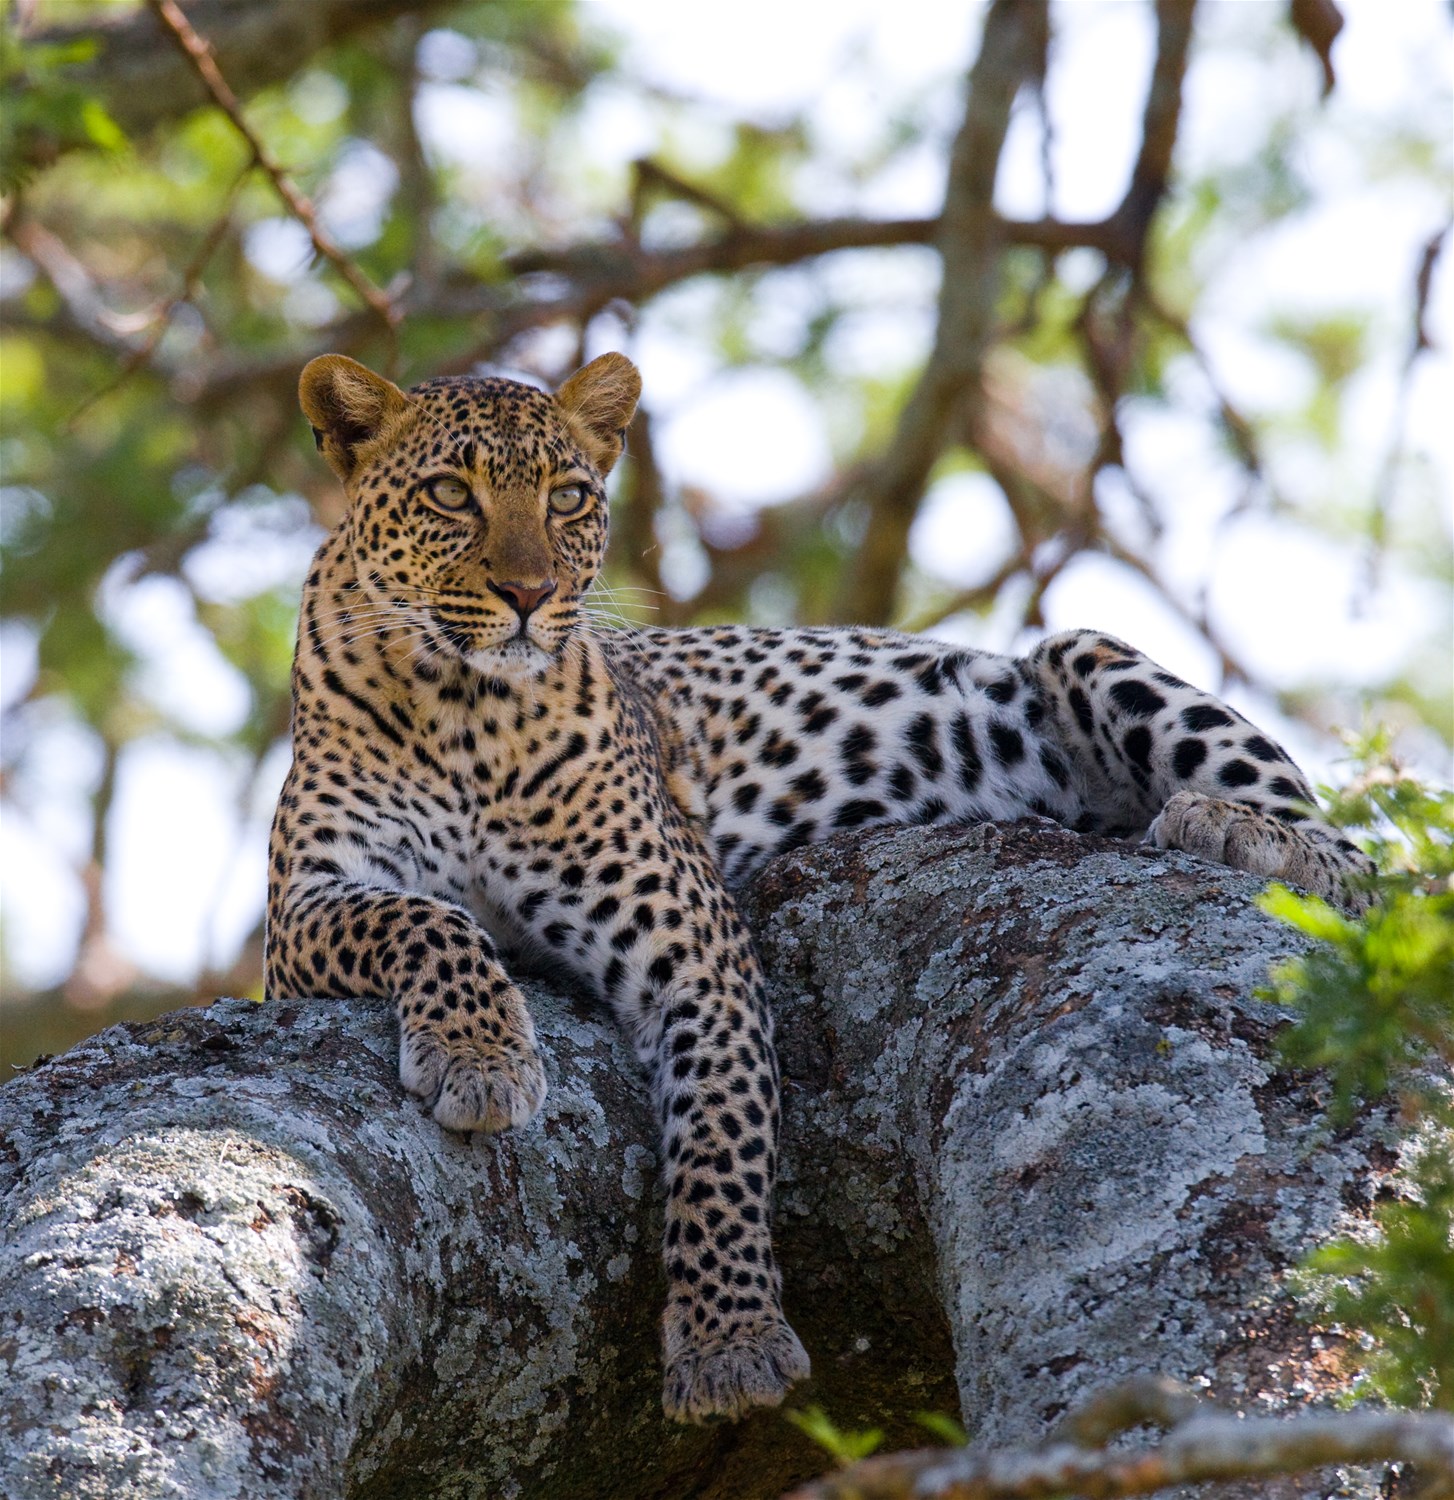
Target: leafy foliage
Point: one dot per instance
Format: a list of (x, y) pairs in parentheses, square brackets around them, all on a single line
[(1375, 1007), (45, 107), (846, 1446)]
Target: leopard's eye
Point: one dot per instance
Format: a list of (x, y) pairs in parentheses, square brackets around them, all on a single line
[(446, 493), (569, 499)]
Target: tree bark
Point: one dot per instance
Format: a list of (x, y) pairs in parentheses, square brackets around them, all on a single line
[(1033, 1144)]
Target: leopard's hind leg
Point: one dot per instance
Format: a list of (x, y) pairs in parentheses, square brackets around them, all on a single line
[(1153, 754)]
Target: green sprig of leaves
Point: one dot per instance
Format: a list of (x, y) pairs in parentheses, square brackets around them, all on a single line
[(47, 110), (1374, 1007)]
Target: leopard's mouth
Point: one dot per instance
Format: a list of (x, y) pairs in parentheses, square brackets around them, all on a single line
[(528, 647), (471, 639)]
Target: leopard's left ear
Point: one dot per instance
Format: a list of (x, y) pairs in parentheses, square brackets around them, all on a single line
[(599, 400)]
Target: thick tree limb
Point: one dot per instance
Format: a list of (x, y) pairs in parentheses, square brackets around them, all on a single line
[(1032, 1146)]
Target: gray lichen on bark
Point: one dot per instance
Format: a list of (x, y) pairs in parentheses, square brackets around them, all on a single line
[(1034, 1141)]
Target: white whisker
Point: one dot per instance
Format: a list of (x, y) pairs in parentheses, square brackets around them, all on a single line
[(348, 618), (607, 616), (625, 588), (391, 624)]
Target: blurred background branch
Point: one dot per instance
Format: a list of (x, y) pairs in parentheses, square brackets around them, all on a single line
[(128, 68), (198, 53)]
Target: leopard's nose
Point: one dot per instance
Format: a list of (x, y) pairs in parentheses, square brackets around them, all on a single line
[(523, 598)]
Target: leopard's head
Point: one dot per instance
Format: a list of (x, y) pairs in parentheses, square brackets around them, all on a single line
[(477, 514)]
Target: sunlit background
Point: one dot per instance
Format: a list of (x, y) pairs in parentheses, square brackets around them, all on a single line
[(1293, 242)]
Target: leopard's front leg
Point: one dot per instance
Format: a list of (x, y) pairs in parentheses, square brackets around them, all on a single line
[(726, 1345), (1154, 754), (466, 1041), (640, 913), (677, 967)]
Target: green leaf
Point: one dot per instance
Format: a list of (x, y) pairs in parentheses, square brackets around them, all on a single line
[(846, 1447), (946, 1428), (99, 127)]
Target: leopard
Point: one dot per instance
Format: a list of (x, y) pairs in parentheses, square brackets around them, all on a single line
[(485, 775)]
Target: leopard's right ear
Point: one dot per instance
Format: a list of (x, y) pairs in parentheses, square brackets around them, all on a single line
[(349, 408), (599, 401)]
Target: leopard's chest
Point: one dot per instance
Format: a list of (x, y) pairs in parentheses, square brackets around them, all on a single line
[(491, 809)]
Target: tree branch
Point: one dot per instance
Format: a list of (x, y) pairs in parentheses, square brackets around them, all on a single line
[(418, 195), (1420, 343), (199, 54), (554, 286), (642, 499), (256, 43), (1159, 124), (1198, 1449), (1142, 1400), (235, 1257), (597, 272), (969, 242), (162, 317), (82, 312), (1318, 22)]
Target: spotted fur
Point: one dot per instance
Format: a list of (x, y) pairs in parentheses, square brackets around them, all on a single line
[(480, 770)]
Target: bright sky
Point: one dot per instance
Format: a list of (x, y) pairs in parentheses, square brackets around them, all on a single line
[(189, 839)]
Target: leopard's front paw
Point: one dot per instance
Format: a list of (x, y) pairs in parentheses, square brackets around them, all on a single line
[(729, 1375), (473, 1085), (1308, 854)]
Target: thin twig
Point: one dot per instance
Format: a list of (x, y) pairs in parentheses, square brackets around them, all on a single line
[(980, 597), (1231, 667), (162, 318), (647, 173), (1238, 429), (1419, 344), (195, 48)]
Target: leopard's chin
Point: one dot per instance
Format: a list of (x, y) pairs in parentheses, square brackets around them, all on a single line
[(515, 660)]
